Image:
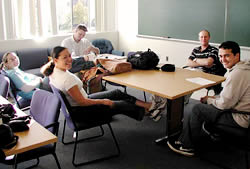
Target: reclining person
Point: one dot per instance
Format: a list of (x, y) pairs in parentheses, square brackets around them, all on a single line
[(26, 83)]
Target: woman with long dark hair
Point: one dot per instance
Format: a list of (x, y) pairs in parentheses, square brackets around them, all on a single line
[(97, 105)]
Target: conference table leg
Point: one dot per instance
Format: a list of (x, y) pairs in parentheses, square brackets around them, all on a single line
[(14, 166), (174, 117)]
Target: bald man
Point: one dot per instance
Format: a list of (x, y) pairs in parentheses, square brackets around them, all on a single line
[(205, 58)]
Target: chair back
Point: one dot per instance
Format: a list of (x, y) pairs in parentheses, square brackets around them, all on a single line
[(131, 53), (104, 45), (45, 108), (65, 106), (4, 85)]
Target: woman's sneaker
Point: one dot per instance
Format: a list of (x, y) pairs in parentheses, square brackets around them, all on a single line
[(156, 115), (157, 118), (178, 148), (157, 103)]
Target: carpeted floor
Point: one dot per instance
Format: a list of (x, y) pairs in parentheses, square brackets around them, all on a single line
[(136, 141)]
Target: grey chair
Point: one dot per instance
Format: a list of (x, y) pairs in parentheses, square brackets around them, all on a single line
[(26, 57), (4, 86), (76, 127), (105, 46), (226, 137), (45, 109)]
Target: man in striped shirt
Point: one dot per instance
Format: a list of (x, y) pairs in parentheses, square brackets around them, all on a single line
[(205, 58)]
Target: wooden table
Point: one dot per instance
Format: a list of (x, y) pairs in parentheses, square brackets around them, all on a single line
[(170, 85), (35, 137)]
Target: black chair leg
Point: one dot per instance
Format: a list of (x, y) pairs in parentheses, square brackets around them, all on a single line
[(71, 142), (145, 98), (105, 84), (15, 162), (247, 160), (98, 159), (57, 161), (114, 138), (125, 89)]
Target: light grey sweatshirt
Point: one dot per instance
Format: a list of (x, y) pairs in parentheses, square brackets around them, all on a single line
[(236, 93)]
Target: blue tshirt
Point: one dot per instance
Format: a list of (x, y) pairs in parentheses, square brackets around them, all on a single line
[(20, 78)]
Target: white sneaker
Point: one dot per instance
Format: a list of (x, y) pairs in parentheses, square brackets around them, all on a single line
[(156, 115), (157, 103)]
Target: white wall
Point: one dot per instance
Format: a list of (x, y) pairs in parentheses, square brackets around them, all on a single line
[(177, 51)]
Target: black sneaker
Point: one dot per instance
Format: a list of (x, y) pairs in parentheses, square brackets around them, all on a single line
[(178, 148)]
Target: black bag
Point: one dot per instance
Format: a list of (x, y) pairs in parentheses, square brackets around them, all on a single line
[(7, 112), (19, 125), (143, 60), (8, 139)]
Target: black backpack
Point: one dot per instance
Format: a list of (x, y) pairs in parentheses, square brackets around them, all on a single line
[(143, 60)]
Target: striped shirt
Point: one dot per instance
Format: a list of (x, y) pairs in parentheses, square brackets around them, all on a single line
[(210, 51)]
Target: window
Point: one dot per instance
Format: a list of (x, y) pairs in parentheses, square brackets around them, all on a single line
[(36, 21), (73, 12), (24, 19)]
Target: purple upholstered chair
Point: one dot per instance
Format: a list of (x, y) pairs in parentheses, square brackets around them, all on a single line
[(45, 109), (4, 86), (80, 126)]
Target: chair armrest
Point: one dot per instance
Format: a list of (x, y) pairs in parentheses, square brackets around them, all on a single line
[(117, 52), (55, 125)]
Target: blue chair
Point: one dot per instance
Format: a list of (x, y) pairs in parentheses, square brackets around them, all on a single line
[(105, 46), (80, 126), (45, 109), (4, 86)]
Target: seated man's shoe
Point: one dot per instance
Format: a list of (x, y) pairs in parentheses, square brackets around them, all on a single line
[(177, 147)]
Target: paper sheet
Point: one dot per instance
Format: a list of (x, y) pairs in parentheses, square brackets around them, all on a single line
[(200, 81), (112, 57)]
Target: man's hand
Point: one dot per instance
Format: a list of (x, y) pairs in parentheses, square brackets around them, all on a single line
[(204, 99), (87, 51)]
